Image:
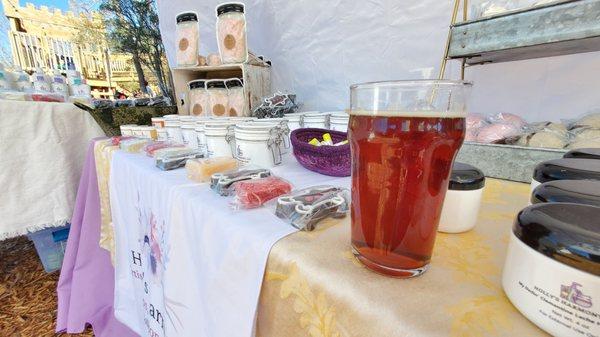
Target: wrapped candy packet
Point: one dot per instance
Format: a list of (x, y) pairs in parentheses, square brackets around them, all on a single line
[(133, 145), (173, 158), (153, 147), (224, 183), (254, 193), (304, 208), (116, 140), (201, 170)]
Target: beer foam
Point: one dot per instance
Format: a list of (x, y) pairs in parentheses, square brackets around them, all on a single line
[(416, 113)]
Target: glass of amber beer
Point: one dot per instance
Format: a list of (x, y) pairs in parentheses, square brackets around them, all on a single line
[(404, 136)]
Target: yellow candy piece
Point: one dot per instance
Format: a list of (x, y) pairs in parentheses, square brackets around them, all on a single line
[(314, 142), (327, 137)]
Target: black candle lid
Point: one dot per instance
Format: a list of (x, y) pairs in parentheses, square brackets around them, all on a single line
[(589, 153), (574, 191), (183, 17), (465, 177), (215, 84), (230, 7), (567, 168), (197, 84), (237, 82), (567, 233)]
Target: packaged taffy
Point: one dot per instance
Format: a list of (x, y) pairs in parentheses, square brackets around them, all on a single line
[(254, 193), (201, 170)]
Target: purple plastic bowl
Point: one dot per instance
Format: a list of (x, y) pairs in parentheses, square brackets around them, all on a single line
[(328, 160)]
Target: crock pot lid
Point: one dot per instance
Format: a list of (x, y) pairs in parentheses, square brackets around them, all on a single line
[(567, 168), (575, 191), (589, 153), (465, 177), (230, 7), (183, 17), (197, 84), (565, 232)]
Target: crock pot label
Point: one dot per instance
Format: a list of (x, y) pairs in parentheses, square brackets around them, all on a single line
[(239, 155), (568, 306)]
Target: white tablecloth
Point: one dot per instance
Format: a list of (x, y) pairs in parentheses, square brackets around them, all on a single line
[(42, 150), (187, 264)]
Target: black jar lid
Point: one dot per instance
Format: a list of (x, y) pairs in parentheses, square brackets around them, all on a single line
[(567, 233), (567, 168), (589, 153), (197, 84), (215, 84), (236, 82), (230, 7), (189, 16), (465, 177), (574, 191)]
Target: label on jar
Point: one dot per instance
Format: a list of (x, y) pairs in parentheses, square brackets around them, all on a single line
[(184, 44), (239, 155), (218, 109), (197, 109), (229, 41), (233, 112)]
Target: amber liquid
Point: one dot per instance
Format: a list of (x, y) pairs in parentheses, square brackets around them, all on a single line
[(400, 172)]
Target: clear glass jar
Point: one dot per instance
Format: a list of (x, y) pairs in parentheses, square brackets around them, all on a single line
[(231, 33), (188, 39), (236, 103), (218, 98), (198, 98)]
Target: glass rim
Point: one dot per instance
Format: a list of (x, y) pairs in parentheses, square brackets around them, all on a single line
[(408, 83)]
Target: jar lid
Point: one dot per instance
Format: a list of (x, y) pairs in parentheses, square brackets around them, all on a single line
[(230, 7), (574, 191), (187, 16), (589, 153), (236, 82), (567, 168), (197, 84), (567, 233), (465, 177), (215, 84)]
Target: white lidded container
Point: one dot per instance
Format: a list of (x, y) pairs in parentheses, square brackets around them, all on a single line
[(231, 32), (188, 39), (315, 119), (22, 80), (295, 120), (201, 136), (41, 82), (338, 121), (158, 122), (161, 134), (220, 139), (148, 132), (258, 144), (218, 97), (138, 131), (565, 168), (198, 98), (552, 268), (573, 191), (188, 133), (236, 99), (127, 129), (284, 130), (173, 126), (59, 83), (463, 199)]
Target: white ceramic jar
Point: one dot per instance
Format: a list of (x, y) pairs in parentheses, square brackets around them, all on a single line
[(295, 120), (258, 144), (338, 121), (158, 122), (127, 129), (201, 136), (188, 39), (198, 98), (236, 100), (284, 130), (552, 269), (173, 126), (161, 134), (217, 98), (231, 33), (565, 168), (463, 199), (220, 139), (41, 82), (148, 132), (59, 84), (188, 134), (315, 119)]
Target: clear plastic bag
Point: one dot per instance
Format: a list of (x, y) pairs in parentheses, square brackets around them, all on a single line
[(508, 118), (175, 158), (152, 147), (498, 133), (255, 193), (224, 183), (201, 170), (133, 145), (304, 208)]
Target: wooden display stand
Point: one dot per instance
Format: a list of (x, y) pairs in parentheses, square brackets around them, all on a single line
[(257, 81)]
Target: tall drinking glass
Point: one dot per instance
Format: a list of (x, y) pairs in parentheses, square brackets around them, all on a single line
[(404, 136)]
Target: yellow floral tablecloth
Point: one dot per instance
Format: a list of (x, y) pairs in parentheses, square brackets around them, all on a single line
[(314, 286), (103, 151)]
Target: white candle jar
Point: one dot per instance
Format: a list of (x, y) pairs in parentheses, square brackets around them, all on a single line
[(201, 136), (173, 126), (158, 122), (338, 121), (198, 98), (218, 98), (188, 39), (188, 134), (231, 33), (463, 199), (220, 139), (127, 129), (161, 134), (236, 100), (315, 120), (295, 121), (258, 144), (284, 130)]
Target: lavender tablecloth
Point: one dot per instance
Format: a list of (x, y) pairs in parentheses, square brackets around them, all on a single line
[(86, 284)]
